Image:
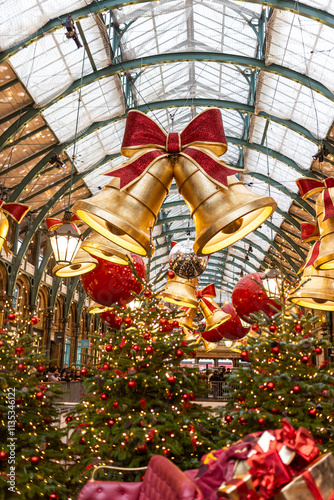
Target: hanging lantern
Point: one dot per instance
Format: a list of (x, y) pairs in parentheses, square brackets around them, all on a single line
[(82, 263), (101, 247), (212, 313), (272, 283), (184, 262), (65, 239), (95, 308), (180, 291)]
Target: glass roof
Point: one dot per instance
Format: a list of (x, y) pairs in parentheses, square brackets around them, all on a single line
[(275, 117)]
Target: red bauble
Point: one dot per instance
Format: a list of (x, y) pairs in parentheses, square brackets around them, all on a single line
[(228, 419), (186, 397), (46, 420), (68, 419), (241, 399), (166, 326), (142, 448), (40, 368), (312, 412), (110, 422), (171, 379), (184, 343), (82, 440), (19, 350), (84, 372), (3, 455), (261, 387), (231, 329), (147, 336), (255, 327), (21, 367), (106, 367), (298, 328), (1, 343), (317, 350), (115, 405), (271, 386), (104, 396), (111, 283), (34, 320), (136, 347), (34, 460), (244, 355), (261, 422), (306, 359), (18, 401), (171, 275), (148, 294), (275, 411), (242, 421), (167, 453), (175, 324), (110, 319), (296, 389), (128, 322), (11, 316), (149, 350), (249, 297), (109, 348), (179, 353), (272, 328), (54, 496), (325, 393), (132, 384), (39, 395), (276, 350), (163, 321)]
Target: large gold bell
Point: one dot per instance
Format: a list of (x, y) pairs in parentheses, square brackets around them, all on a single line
[(325, 258), (95, 308), (99, 246), (4, 226), (213, 315), (81, 264), (221, 216), (316, 290), (180, 291), (126, 217), (187, 320)]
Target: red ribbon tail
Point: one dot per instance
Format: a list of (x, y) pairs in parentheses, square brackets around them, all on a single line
[(132, 171), (312, 256), (328, 204), (208, 291), (211, 166), (309, 232), (308, 187), (313, 488), (15, 210)]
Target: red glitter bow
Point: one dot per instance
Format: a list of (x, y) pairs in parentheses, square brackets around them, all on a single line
[(56, 223), (15, 210), (309, 187), (202, 141), (206, 294)]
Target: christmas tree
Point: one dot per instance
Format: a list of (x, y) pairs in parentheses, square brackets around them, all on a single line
[(282, 377), (31, 448), (140, 400)]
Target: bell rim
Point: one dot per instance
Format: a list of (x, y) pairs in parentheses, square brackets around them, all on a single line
[(223, 320), (177, 299), (78, 272), (323, 260), (208, 233), (92, 247), (305, 301), (143, 243)]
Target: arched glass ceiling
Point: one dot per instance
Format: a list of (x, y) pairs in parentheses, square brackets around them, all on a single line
[(269, 70)]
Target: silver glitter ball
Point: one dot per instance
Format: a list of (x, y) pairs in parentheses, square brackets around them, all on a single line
[(185, 263)]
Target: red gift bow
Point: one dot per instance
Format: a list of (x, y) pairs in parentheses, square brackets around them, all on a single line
[(15, 210), (268, 473), (56, 223), (299, 440), (204, 131), (309, 187), (206, 294)]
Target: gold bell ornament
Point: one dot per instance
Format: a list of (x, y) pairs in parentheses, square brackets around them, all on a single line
[(212, 313), (325, 217), (95, 308), (188, 335), (180, 291), (16, 212), (187, 319), (208, 346), (101, 247), (82, 263)]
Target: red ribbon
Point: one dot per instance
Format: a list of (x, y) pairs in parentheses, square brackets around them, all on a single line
[(268, 473), (206, 295), (299, 440), (309, 187), (202, 141), (53, 224), (309, 232), (312, 257), (15, 210)]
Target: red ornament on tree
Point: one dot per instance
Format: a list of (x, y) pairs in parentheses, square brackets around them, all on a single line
[(142, 448), (110, 319), (40, 368), (147, 336), (179, 353), (298, 328), (83, 372), (276, 350), (136, 347), (171, 379), (34, 460), (185, 397), (115, 405), (148, 294), (231, 329), (325, 393), (296, 389), (163, 321), (255, 327), (275, 411), (306, 359), (171, 275), (21, 367), (242, 421), (272, 328), (244, 355), (111, 283), (82, 440), (54, 496), (34, 320), (39, 395), (271, 386), (106, 367), (1, 343), (317, 350), (312, 412), (110, 422), (132, 384), (149, 350), (128, 322), (104, 396), (11, 316), (241, 399), (261, 422), (109, 348), (3, 455), (175, 324), (19, 350), (228, 419), (167, 452), (249, 297), (68, 419)]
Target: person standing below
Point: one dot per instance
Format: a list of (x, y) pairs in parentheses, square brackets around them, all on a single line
[(215, 383)]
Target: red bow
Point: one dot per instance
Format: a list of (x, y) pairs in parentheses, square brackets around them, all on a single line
[(268, 473), (206, 295), (15, 210), (309, 232), (309, 187), (202, 141), (56, 223), (299, 440)]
